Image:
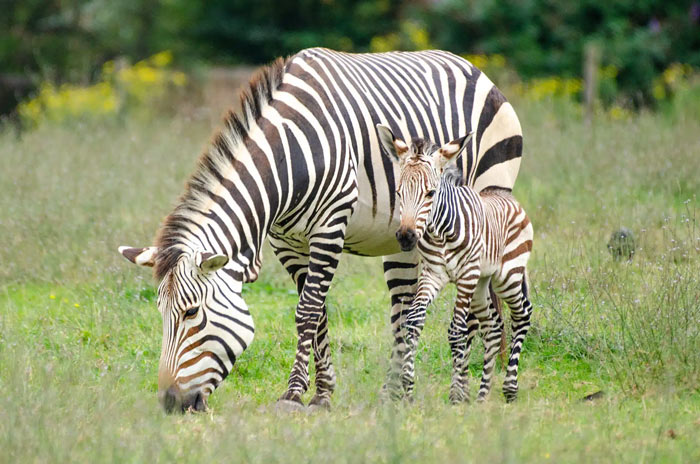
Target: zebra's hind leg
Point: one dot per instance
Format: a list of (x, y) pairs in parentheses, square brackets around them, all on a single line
[(520, 312), (460, 335), (401, 274), (491, 329)]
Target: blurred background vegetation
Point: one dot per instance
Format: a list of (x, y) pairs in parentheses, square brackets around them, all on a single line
[(69, 57)]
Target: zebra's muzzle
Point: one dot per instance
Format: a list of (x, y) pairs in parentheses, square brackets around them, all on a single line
[(407, 239), (173, 401)]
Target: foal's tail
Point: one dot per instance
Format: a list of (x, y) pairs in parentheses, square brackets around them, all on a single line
[(503, 354)]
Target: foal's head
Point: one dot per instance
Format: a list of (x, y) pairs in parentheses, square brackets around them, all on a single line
[(421, 164)]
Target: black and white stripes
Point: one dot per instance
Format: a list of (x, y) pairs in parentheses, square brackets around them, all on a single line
[(301, 166), (469, 238)]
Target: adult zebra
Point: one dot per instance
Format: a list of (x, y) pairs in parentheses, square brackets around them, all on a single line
[(302, 167)]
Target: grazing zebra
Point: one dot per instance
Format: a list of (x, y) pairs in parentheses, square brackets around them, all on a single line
[(302, 167), (469, 238)]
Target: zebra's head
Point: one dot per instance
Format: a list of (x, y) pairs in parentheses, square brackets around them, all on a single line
[(206, 323), (421, 163)]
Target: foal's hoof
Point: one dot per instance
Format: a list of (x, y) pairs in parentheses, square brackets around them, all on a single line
[(289, 406), (319, 403), (457, 398), (391, 394)]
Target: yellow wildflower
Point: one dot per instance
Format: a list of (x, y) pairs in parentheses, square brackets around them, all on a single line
[(162, 59)]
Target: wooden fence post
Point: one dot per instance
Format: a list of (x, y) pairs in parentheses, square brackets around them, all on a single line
[(591, 61)]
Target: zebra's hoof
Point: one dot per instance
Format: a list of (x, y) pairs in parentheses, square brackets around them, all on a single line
[(459, 398), (510, 396), (390, 394), (289, 406), (319, 403)]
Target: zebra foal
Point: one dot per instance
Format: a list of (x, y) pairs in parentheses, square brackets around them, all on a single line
[(466, 237)]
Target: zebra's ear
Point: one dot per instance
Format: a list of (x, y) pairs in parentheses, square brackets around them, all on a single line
[(452, 150), (394, 147), (141, 256), (210, 262)]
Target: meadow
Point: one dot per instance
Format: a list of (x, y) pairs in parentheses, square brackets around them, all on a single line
[(80, 333)]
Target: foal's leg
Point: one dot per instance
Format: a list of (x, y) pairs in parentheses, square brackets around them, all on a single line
[(514, 292), (429, 284), (491, 329), (460, 335)]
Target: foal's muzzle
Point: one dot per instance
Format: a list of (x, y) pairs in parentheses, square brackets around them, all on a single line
[(407, 238)]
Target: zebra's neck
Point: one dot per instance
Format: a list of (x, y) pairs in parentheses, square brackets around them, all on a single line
[(452, 206), (238, 188), (443, 215), (245, 195)]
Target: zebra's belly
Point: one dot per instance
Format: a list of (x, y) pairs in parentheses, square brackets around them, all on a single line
[(370, 235)]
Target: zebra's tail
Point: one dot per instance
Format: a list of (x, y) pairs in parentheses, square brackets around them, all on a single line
[(499, 309)]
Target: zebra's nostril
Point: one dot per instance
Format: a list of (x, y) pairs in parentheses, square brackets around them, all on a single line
[(170, 399), (200, 404)]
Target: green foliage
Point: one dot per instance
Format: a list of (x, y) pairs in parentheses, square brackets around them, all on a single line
[(61, 42), (545, 37), (69, 40), (257, 32)]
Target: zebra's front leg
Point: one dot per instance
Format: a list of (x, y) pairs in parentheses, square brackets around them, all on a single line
[(311, 319), (295, 260), (460, 335), (429, 284), (325, 374), (401, 274)]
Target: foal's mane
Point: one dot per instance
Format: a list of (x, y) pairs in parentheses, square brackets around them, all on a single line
[(219, 154), (452, 173)]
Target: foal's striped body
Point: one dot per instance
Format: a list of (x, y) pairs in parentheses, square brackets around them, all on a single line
[(471, 239)]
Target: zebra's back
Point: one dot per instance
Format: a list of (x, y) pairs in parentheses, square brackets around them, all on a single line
[(508, 231), (429, 94)]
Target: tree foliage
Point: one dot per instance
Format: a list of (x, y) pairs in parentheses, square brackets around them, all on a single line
[(69, 40)]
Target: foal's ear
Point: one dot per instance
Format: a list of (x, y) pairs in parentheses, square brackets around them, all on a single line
[(141, 256), (210, 262), (452, 150), (394, 147)]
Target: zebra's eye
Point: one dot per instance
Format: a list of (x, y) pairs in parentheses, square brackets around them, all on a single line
[(398, 194), (192, 311), (430, 194)]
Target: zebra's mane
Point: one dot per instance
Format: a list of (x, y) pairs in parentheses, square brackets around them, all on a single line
[(220, 154), (452, 173)]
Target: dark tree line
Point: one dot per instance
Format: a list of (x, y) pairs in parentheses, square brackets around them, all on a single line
[(68, 40)]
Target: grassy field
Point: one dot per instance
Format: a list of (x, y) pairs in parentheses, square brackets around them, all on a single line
[(80, 334)]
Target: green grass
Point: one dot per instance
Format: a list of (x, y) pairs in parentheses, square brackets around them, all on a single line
[(80, 333)]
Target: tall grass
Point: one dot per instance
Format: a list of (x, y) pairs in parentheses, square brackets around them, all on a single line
[(80, 335)]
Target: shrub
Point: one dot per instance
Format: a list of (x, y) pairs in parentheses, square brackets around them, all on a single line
[(118, 88)]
